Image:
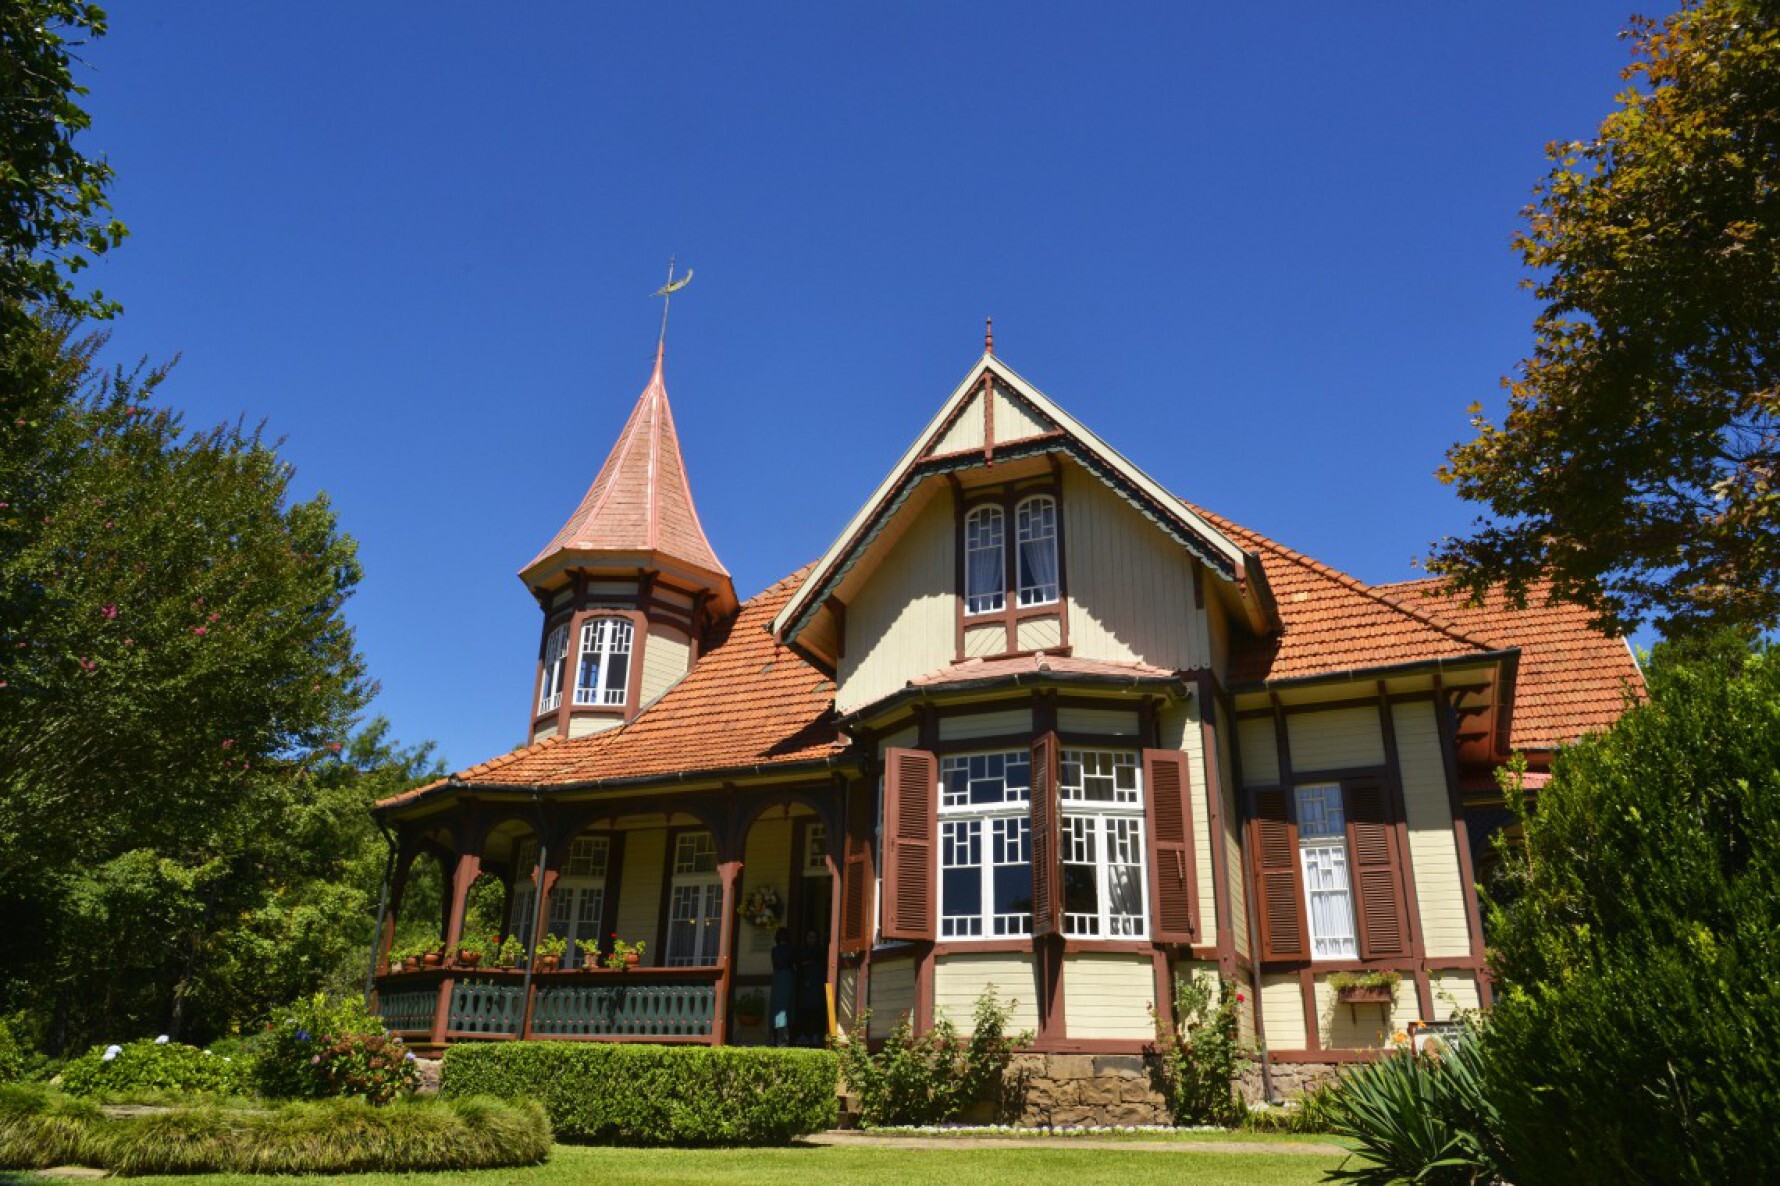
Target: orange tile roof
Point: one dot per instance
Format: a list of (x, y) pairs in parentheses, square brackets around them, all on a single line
[(747, 702), (1334, 622), (1573, 679), (641, 500)]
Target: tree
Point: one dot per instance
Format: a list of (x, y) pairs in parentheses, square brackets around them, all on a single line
[(54, 215), (1638, 974), (1638, 465)]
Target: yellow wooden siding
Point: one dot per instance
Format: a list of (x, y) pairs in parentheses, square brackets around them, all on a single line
[(1003, 723), (1217, 629), (1282, 1011), (1434, 852), (1013, 422), (1119, 722), (892, 989), (846, 998), (1454, 992), (1039, 634), (1108, 996), (958, 980), (1234, 883), (1130, 586), (903, 622), (966, 431), (985, 640), (583, 726), (1192, 743), (1260, 752), (666, 657), (766, 861), (1362, 1027), (1334, 739), (639, 889)]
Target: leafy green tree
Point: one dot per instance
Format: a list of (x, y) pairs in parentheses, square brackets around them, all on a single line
[(1631, 1040), (54, 215), (1639, 462)]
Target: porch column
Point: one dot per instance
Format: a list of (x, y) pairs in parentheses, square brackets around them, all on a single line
[(729, 873), (469, 864), (549, 868)]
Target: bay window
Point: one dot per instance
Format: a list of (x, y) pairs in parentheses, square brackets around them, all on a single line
[(603, 675), (985, 833), (1102, 843)]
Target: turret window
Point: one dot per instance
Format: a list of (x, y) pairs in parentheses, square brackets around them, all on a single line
[(556, 646), (984, 574), (604, 671), (1035, 526)]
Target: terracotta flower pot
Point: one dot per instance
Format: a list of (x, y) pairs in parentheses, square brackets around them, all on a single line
[(1366, 994), (632, 959), (410, 965), (431, 959), (547, 963), (469, 959)]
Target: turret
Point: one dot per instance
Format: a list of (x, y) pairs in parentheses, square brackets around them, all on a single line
[(629, 587)]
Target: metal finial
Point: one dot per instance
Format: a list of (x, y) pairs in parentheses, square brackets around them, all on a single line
[(988, 335), (666, 293)]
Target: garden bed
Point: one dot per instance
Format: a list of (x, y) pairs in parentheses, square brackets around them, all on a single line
[(40, 1129)]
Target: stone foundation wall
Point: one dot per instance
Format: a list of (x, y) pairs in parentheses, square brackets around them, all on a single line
[(1064, 1090), (1290, 1080)]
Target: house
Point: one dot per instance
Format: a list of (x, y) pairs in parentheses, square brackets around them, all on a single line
[(1032, 721)]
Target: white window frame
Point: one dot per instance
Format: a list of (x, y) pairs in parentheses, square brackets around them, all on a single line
[(578, 900), (1102, 815), (985, 534), (1327, 872), (695, 897), (815, 850), (556, 647), (1035, 525), (987, 835), (604, 638)]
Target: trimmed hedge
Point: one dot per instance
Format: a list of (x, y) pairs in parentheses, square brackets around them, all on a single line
[(656, 1095), (41, 1128)]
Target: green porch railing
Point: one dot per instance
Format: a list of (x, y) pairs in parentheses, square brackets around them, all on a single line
[(485, 1007), (625, 1010), (408, 1012)]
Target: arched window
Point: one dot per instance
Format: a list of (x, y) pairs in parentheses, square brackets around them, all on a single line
[(1035, 528), (556, 646), (604, 671), (985, 584)]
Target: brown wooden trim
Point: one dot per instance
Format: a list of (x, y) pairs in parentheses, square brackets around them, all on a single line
[(1339, 1054), (1446, 728), (1008, 497), (1214, 824), (988, 419), (1046, 1045), (1313, 1024)]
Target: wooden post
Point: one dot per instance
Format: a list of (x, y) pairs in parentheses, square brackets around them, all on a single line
[(729, 872), (468, 865), (544, 880)]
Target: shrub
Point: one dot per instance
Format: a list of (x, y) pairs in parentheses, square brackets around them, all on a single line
[(40, 1128), (1311, 1112), (12, 1058), (655, 1095), (1418, 1118), (931, 1078), (320, 1048), (1203, 1055), (151, 1067), (1634, 944)]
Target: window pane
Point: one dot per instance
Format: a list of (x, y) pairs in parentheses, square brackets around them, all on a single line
[(617, 680), (983, 564), (985, 779), (1100, 776), (1036, 527), (1010, 841), (961, 877), (1081, 877), (1320, 815)]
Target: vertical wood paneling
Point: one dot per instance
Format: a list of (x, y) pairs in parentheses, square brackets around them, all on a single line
[(1118, 722), (1440, 891), (639, 894), (1260, 752), (667, 654), (1334, 739), (767, 862), (1004, 722), (1130, 586), (902, 622), (966, 431), (1013, 422)]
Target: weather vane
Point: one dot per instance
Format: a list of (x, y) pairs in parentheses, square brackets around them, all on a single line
[(666, 293)]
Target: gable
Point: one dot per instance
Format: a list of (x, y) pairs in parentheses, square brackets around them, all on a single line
[(969, 432)]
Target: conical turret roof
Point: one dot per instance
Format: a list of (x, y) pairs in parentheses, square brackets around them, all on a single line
[(640, 502)]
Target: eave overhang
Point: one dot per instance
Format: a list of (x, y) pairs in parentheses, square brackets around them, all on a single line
[(1173, 687)]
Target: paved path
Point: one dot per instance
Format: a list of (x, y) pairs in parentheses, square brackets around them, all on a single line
[(855, 1140)]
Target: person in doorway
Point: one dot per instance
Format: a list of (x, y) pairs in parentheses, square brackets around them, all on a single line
[(783, 1000), (812, 983)]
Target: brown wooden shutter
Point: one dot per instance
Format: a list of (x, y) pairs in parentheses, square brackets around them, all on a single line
[(1378, 885), (911, 844), (1168, 801), (857, 922), (1279, 892), (1047, 839)]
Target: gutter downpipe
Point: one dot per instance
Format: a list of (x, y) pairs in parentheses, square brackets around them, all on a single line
[(389, 867)]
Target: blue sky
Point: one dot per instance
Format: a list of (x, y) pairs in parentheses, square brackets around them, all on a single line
[(1263, 251)]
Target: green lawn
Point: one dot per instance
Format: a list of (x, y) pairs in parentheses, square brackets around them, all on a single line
[(572, 1165)]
